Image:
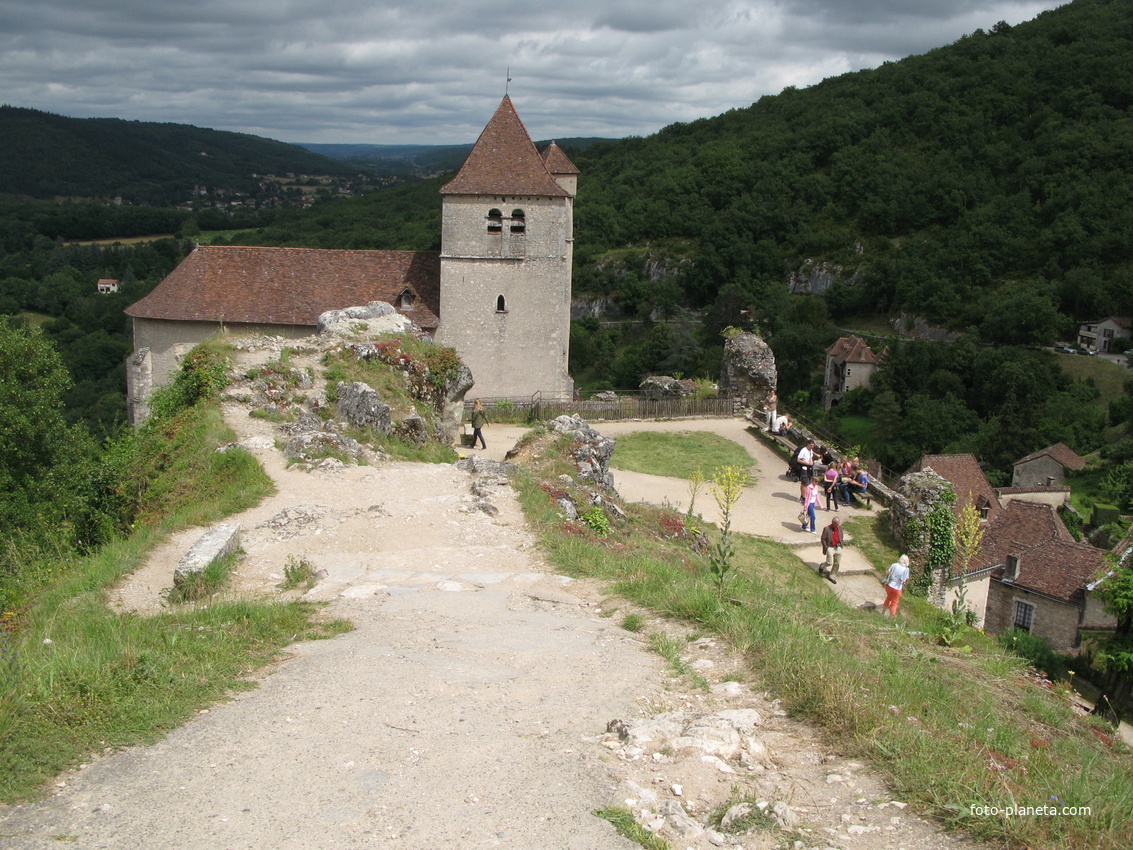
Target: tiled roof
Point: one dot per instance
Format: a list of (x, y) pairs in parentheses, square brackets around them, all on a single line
[(852, 349), (558, 162), (291, 286), (963, 472), (1059, 452), (504, 161), (1017, 527), (1056, 568)]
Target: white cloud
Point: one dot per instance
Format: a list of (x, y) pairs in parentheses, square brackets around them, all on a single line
[(390, 71)]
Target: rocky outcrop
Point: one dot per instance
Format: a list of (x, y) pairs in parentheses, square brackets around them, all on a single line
[(813, 278), (361, 405), (413, 430), (375, 318), (662, 386), (749, 370), (593, 452)]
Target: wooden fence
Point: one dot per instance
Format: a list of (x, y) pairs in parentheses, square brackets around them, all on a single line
[(536, 409)]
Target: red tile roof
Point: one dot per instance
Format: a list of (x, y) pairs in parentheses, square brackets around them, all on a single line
[(1056, 568), (963, 472), (558, 162), (1017, 527), (1059, 452), (1050, 560), (291, 286), (852, 349), (504, 161)]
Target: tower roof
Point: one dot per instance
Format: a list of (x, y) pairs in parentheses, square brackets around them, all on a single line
[(504, 161), (557, 161)]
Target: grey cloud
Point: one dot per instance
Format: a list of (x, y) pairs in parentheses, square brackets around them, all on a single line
[(432, 71)]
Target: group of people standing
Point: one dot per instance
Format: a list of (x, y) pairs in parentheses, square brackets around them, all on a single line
[(841, 482), (819, 472)]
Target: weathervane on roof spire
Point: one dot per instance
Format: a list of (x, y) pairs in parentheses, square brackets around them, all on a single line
[(508, 80)]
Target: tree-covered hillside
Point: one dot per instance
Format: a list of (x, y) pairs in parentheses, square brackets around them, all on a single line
[(48, 155), (986, 185)]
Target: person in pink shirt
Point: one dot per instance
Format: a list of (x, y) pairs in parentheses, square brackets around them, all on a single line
[(810, 500)]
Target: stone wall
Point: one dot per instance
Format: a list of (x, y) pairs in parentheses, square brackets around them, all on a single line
[(749, 370), (1055, 621), (917, 495)]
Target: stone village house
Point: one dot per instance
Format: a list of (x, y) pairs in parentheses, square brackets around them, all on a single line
[(1098, 336), (1030, 573), (1046, 467), (850, 363), (498, 291)]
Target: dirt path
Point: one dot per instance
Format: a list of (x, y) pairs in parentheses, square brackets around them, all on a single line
[(468, 708)]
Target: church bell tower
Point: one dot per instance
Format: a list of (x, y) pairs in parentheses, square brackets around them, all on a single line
[(507, 244)]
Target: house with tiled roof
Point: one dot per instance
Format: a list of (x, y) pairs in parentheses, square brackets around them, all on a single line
[(1100, 335), (1046, 467), (498, 291), (968, 481), (1041, 581), (850, 363)]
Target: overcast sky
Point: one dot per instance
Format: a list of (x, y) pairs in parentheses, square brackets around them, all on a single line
[(433, 71)]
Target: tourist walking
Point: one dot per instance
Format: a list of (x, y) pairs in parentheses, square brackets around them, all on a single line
[(831, 540), (895, 580), (830, 485), (810, 500), (479, 422)]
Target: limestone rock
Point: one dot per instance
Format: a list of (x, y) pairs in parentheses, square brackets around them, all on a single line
[(362, 405), (749, 370), (413, 430), (593, 453), (662, 386), (378, 317)]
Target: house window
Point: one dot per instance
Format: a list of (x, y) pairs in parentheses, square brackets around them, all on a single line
[(407, 300), (518, 222), (1108, 333), (495, 221), (1024, 616), (501, 305)]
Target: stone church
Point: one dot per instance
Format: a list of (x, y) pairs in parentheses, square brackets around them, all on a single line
[(498, 291)]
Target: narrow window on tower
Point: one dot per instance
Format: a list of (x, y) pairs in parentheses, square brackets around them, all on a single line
[(518, 222), (501, 306), (495, 221)]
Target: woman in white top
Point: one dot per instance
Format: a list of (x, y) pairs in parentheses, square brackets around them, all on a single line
[(894, 583)]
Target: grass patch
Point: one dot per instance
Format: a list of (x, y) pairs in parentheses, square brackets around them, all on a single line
[(678, 455), (1108, 377), (76, 677), (203, 584), (298, 570), (950, 729), (633, 622), (627, 827)]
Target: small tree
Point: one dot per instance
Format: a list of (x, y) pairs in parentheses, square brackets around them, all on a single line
[(727, 487), (1114, 654)]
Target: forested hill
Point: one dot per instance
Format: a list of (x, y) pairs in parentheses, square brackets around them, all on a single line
[(48, 155), (987, 184)]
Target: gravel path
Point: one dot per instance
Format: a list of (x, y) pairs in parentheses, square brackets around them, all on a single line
[(467, 709)]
